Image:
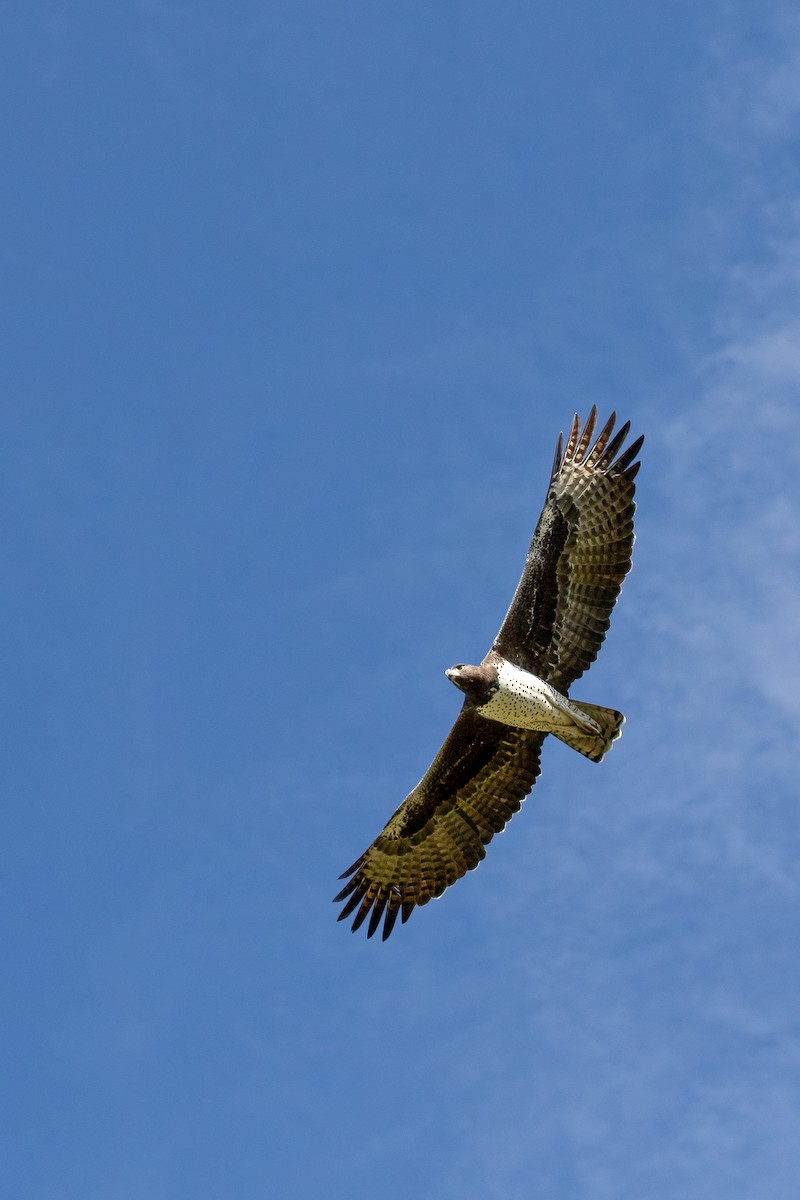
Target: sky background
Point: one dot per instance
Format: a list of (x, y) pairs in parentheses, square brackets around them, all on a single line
[(296, 299)]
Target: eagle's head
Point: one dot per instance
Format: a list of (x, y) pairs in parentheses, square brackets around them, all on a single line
[(478, 684)]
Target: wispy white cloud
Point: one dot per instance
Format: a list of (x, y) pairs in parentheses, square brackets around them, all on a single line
[(776, 81), (723, 587), (684, 1043), (737, 458)]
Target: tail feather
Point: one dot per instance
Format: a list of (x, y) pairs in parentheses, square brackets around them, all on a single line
[(593, 745)]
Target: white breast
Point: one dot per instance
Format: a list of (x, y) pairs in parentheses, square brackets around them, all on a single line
[(527, 702)]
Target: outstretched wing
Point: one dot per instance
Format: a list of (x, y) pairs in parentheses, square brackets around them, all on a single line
[(579, 556), (477, 782)]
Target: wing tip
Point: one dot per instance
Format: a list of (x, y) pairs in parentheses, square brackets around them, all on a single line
[(586, 436), (602, 454), (558, 457), (368, 899), (352, 870), (625, 464)]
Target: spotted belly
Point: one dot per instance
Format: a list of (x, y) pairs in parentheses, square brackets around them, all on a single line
[(527, 702)]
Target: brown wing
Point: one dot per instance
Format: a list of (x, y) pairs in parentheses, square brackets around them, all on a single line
[(477, 782), (579, 556)]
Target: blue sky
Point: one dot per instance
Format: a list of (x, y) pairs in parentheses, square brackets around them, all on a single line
[(296, 300)]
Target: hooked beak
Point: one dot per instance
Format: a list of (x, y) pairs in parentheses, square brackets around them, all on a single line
[(455, 676)]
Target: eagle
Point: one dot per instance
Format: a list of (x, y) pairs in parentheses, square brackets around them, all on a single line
[(519, 693)]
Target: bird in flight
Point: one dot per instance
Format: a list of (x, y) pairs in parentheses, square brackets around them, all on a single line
[(577, 560)]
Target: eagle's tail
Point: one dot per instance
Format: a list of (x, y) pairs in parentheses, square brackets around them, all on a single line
[(594, 743)]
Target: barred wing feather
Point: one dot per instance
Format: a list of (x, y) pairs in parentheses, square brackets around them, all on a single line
[(578, 558), (475, 785)]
